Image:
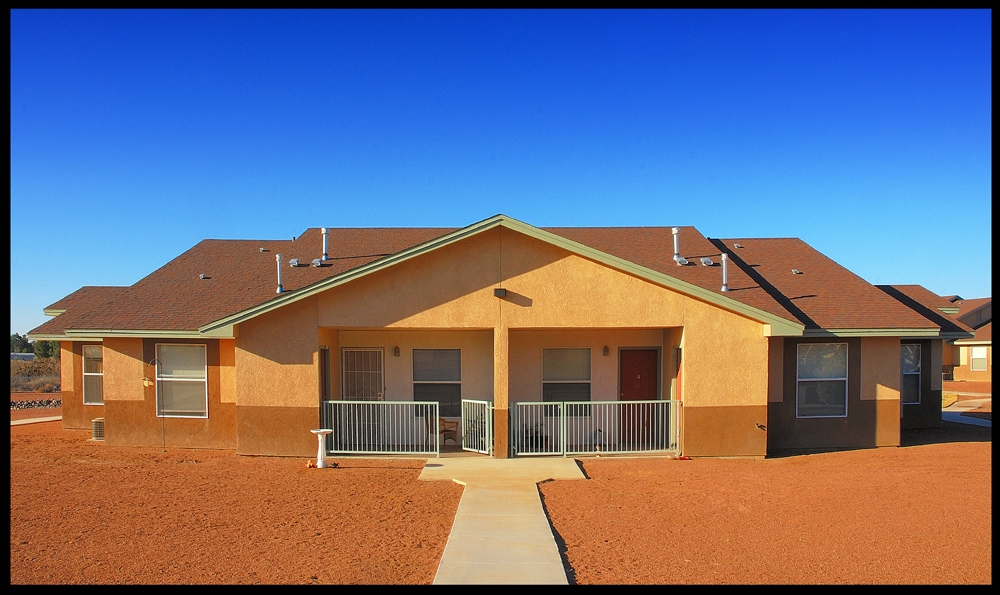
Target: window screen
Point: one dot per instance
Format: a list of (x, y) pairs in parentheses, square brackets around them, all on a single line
[(93, 375), (181, 381), (565, 375), (910, 366), (821, 370), (437, 376)]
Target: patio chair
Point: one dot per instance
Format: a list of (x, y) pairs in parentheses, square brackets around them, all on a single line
[(448, 428)]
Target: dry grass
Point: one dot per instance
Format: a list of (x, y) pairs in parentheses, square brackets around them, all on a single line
[(39, 375), (948, 399)]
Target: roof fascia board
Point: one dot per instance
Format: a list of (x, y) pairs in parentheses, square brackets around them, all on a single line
[(60, 338), (320, 286), (956, 335), (778, 326), (973, 342), (52, 311), (872, 332), (949, 310), (134, 333)]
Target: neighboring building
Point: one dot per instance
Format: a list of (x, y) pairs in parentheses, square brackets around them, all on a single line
[(610, 337), (23, 356), (920, 367), (974, 360)]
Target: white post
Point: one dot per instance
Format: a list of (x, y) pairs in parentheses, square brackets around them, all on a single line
[(321, 453)]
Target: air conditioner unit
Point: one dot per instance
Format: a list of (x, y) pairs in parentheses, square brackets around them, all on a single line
[(97, 429)]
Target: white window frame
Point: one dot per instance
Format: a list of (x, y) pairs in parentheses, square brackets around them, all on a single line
[(918, 374), (847, 385), (458, 382), (588, 382), (380, 393), (159, 379), (973, 358), (83, 353)]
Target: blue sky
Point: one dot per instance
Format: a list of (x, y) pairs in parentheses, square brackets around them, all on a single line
[(136, 134)]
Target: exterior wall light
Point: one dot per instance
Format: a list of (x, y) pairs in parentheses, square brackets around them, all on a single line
[(606, 350), (395, 351), (500, 293)]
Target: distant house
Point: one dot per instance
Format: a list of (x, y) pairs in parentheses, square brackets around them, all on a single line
[(975, 355), (536, 340), (23, 356)]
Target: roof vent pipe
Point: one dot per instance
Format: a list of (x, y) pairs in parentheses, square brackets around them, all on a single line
[(325, 256), (681, 261), (725, 272), (277, 257)]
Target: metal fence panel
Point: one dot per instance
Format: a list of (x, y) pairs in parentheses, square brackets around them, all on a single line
[(477, 426), (594, 427), (382, 427)]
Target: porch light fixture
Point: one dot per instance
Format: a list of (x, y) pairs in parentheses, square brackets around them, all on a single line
[(395, 351), (606, 350)]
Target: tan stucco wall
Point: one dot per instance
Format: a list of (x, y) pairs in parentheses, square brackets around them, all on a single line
[(227, 370), (476, 348), (526, 358), (123, 370), (880, 372), (276, 357), (964, 371), (725, 359), (75, 415)]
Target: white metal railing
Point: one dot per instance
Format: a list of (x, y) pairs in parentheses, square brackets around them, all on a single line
[(594, 427), (477, 426), (382, 427)]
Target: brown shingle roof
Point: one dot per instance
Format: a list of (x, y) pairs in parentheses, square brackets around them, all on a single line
[(985, 332), (85, 299), (824, 295), (925, 302), (240, 276)]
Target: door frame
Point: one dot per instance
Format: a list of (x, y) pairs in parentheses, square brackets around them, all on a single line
[(659, 369)]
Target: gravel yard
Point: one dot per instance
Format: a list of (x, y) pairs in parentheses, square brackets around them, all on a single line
[(917, 514), (86, 513)]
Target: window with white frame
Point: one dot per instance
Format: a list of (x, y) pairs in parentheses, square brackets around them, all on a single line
[(821, 380), (910, 364), (566, 374), (977, 363), (437, 376), (181, 380), (93, 375)]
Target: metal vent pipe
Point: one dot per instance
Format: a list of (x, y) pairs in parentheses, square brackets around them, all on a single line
[(325, 256), (277, 257), (725, 272)]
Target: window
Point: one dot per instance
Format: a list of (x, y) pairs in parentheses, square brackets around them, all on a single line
[(437, 376), (910, 364), (978, 360), (93, 375), (821, 380), (181, 381), (565, 375), (362, 377)]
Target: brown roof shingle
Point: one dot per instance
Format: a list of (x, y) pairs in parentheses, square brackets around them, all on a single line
[(239, 276), (925, 302)]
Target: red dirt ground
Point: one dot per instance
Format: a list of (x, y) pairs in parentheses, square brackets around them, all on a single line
[(968, 386), (916, 514), (88, 513)]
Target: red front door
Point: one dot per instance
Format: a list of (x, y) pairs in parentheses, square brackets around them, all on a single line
[(638, 377)]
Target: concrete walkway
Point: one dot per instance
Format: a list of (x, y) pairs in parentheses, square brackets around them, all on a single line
[(34, 420), (954, 412), (501, 534)]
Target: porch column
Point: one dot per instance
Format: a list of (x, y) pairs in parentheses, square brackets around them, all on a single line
[(500, 384)]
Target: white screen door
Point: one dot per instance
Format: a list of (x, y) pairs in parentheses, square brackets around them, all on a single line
[(363, 379)]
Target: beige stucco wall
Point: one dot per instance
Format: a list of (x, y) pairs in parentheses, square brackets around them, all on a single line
[(227, 370), (880, 372), (66, 363), (476, 348), (123, 370), (526, 358), (276, 358)]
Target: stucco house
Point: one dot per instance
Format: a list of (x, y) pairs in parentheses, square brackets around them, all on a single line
[(499, 337)]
